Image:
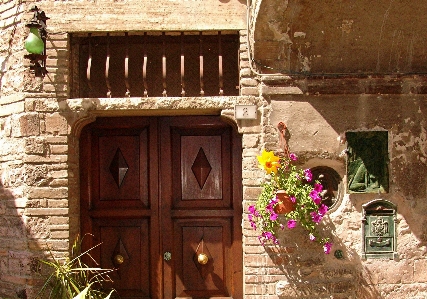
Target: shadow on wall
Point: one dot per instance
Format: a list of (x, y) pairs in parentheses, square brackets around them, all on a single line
[(312, 274), (309, 272), (19, 252)]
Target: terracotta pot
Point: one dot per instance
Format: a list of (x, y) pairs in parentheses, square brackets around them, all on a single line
[(284, 205)]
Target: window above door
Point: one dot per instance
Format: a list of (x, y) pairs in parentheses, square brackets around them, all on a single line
[(155, 64)]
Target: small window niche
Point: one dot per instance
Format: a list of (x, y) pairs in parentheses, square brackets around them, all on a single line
[(367, 162), (379, 229), (332, 185)]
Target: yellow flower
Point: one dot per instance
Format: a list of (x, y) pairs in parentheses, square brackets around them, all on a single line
[(268, 161)]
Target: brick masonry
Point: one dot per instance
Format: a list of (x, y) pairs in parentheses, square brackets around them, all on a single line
[(39, 169)]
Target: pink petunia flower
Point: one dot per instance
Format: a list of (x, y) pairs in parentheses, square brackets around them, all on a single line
[(323, 209), (252, 209), (318, 187), (316, 217), (293, 198), (327, 247), (312, 237), (273, 216), (315, 196), (291, 223), (293, 157), (308, 175)]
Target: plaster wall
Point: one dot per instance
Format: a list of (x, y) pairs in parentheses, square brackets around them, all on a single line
[(329, 37)]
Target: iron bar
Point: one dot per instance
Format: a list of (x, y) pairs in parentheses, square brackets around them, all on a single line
[(202, 92), (164, 65), (89, 62), (220, 70), (107, 67), (182, 66), (127, 66), (144, 66)]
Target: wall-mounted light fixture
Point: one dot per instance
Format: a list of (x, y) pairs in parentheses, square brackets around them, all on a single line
[(35, 44)]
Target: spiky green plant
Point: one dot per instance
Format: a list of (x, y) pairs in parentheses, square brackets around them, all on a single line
[(72, 277)]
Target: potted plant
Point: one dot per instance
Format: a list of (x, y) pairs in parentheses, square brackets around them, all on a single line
[(289, 191), (73, 278)]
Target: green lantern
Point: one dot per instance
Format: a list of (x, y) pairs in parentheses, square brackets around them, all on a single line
[(34, 44)]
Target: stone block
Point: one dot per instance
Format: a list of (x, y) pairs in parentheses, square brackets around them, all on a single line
[(48, 160), (60, 234), (249, 91), (56, 124), (59, 149), (59, 220), (250, 140), (251, 192), (420, 270), (37, 227), (245, 72), (27, 124), (36, 146), (46, 192), (280, 90), (248, 82), (46, 211), (57, 203)]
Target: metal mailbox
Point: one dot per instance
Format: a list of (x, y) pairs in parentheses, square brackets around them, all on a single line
[(379, 229)]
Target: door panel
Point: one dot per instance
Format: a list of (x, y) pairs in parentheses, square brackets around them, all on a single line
[(195, 237), (156, 185), (201, 176), (125, 244), (120, 171), (200, 168)]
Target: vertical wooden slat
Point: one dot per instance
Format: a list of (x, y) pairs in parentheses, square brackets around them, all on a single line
[(127, 66), (164, 64), (220, 70), (202, 92), (107, 67), (144, 66), (182, 66), (89, 62)]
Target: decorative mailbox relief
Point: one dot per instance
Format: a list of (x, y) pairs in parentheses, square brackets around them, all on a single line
[(379, 229)]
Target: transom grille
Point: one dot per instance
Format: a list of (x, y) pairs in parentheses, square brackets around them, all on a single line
[(161, 64)]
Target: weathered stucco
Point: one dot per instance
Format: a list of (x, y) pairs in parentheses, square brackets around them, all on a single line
[(340, 36), (40, 125)]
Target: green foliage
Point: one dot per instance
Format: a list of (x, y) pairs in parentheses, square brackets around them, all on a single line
[(304, 195), (73, 278)]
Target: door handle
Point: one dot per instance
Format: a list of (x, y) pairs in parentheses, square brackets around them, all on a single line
[(119, 259), (167, 256), (202, 258)]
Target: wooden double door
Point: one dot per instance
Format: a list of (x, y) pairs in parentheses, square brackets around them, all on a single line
[(163, 195)]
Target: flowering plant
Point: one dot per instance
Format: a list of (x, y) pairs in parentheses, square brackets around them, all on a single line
[(304, 193)]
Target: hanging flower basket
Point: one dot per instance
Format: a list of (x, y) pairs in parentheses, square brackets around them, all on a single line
[(290, 191)]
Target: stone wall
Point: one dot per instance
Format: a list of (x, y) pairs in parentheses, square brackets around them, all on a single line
[(322, 87), (39, 138), (297, 268)]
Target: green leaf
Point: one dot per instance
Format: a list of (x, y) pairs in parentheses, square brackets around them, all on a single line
[(83, 293)]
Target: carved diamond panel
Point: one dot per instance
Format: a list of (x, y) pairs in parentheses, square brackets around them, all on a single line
[(118, 167), (201, 168)]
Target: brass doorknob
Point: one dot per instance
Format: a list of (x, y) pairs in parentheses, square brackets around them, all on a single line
[(202, 259), (119, 259)]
